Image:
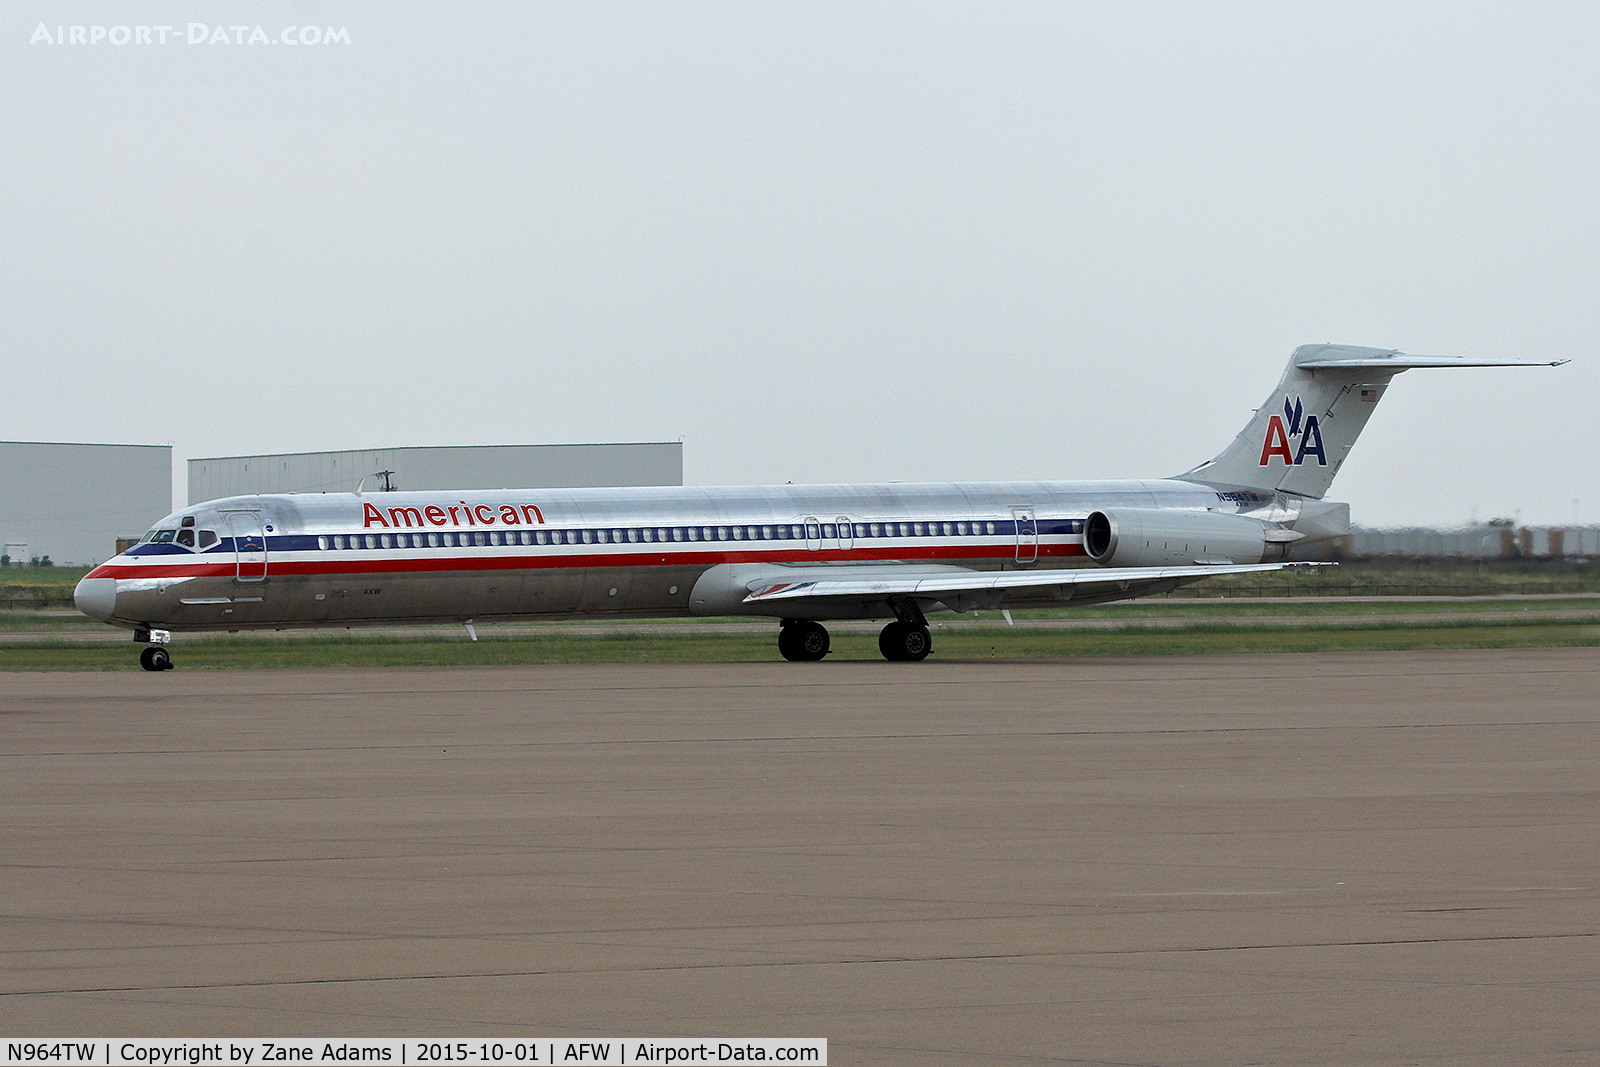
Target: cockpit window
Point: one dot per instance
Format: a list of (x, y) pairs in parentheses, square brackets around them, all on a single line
[(207, 538), (160, 536), (186, 537)]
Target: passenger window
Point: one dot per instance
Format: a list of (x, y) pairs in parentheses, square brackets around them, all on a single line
[(384, 540), (372, 542), (649, 535), (694, 535), (633, 536), (677, 533), (588, 537)]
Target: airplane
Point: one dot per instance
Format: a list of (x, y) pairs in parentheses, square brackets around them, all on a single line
[(801, 554)]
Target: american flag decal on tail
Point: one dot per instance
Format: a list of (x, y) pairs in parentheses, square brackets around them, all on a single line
[(1369, 396)]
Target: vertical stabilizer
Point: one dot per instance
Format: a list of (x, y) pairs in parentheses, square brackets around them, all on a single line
[(1299, 438)]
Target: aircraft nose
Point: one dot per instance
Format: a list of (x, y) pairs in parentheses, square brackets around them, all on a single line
[(96, 597)]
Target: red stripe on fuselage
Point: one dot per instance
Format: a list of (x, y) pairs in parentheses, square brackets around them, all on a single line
[(434, 561)]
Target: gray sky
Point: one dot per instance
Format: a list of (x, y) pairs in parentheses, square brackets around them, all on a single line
[(853, 242)]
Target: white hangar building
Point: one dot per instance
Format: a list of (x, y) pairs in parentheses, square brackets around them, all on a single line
[(446, 468), (72, 502)]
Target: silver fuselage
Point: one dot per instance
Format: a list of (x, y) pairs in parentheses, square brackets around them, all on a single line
[(342, 558)]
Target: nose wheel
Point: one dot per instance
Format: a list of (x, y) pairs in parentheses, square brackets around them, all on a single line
[(155, 658), (803, 641)]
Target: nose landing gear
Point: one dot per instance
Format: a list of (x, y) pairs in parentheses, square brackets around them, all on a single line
[(156, 657)]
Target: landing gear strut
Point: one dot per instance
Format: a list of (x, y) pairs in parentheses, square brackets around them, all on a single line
[(906, 640), (803, 641)]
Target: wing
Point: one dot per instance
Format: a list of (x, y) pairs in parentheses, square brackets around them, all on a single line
[(973, 587)]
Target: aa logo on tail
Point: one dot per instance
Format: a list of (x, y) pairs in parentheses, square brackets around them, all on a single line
[(1292, 424)]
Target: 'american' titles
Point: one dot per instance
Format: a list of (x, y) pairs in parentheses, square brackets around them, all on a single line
[(453, 515)]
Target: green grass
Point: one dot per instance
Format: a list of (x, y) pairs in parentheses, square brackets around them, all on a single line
[(967, 643), (33, 588), (1410, 578)]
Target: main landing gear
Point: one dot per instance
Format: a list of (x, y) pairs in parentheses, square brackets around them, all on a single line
[(803, 641), (155, 657), (906, 640)]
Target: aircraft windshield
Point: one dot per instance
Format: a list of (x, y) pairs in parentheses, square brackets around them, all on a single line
[(159, 536)]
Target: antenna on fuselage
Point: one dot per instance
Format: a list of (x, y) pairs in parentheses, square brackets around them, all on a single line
[(388, 484)]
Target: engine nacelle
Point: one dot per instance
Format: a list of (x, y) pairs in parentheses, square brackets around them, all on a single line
[(1147, 537)]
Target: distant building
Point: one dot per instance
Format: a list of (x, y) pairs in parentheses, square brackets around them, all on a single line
[(453, 467), (69, 503), (1469, 542)]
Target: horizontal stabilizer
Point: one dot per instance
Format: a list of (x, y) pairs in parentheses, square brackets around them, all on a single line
[(1400, 361)]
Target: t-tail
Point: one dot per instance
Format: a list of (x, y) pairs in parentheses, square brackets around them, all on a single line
[(1300, 437)]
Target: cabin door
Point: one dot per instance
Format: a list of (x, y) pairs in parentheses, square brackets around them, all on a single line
[(1027, 535), (249, 546)]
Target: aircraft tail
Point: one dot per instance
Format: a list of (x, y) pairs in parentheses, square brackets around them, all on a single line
[(1300, 437)]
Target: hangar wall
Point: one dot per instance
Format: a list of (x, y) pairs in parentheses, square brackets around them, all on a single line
[(71, 502), (454, 467)]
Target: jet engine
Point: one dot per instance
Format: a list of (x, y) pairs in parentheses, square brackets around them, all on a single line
[(1147, 537)]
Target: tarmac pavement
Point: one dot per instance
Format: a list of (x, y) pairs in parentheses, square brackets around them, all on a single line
[(1376, 858)]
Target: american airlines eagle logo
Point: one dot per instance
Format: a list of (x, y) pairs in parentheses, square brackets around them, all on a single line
[(1296, 428)]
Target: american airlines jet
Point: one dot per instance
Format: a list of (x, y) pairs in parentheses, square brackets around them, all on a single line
[(801, 554)]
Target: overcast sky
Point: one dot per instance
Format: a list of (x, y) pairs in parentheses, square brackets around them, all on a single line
[(852, 242)]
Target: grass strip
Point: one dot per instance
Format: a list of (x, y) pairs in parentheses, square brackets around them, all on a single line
[(1019, 643)]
